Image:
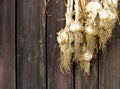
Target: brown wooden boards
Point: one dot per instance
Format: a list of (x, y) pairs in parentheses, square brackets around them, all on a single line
[(109, 64), (31, 44), (7, 44), (110, 67), (56, 79), (38, 63)]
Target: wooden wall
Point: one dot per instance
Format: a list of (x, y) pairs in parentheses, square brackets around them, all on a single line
[(29, 52), (7, 44)]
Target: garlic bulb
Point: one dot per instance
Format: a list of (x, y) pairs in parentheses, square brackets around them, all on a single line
[(62, 37), (93, 6), (91, 30), (88, 56), (104, 14), (114, 2), (76, 26), (107, 14)]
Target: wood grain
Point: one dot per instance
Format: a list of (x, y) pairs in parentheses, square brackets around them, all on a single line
[(7, 44), (56, 78), (110, 66), (31, 68), (38, 63)]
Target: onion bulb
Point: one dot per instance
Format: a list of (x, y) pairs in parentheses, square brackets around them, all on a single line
[(76, 26)]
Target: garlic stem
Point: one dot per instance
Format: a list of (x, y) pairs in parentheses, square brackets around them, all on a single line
[(71, 7), (69, 12), (68, 6), (77, 10), (105, 4)]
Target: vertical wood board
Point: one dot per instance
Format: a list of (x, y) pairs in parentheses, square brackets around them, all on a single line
[(7, 44), (31, 67)]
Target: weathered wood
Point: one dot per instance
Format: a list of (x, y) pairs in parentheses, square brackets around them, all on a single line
[(31, 68), (87, 82), (109, 64), (56, 78), (7, 44)]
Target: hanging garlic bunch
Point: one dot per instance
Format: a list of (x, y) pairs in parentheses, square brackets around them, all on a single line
[(65, 39), (108, 17), (89, 25)]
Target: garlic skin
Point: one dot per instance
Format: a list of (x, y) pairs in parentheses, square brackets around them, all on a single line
[(62, 37), (91, 30), (76, 26), (88, 56), (92, 15), (103, 14), (101, 24), (93, 6), (114, 2), (107, 14)]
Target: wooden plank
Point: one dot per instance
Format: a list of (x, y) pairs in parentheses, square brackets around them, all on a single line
[(87, 82), (109, 64), (7, 44), (56, 78), (31, 68)]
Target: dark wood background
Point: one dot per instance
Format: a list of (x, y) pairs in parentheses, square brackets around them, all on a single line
[(29, 54)]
